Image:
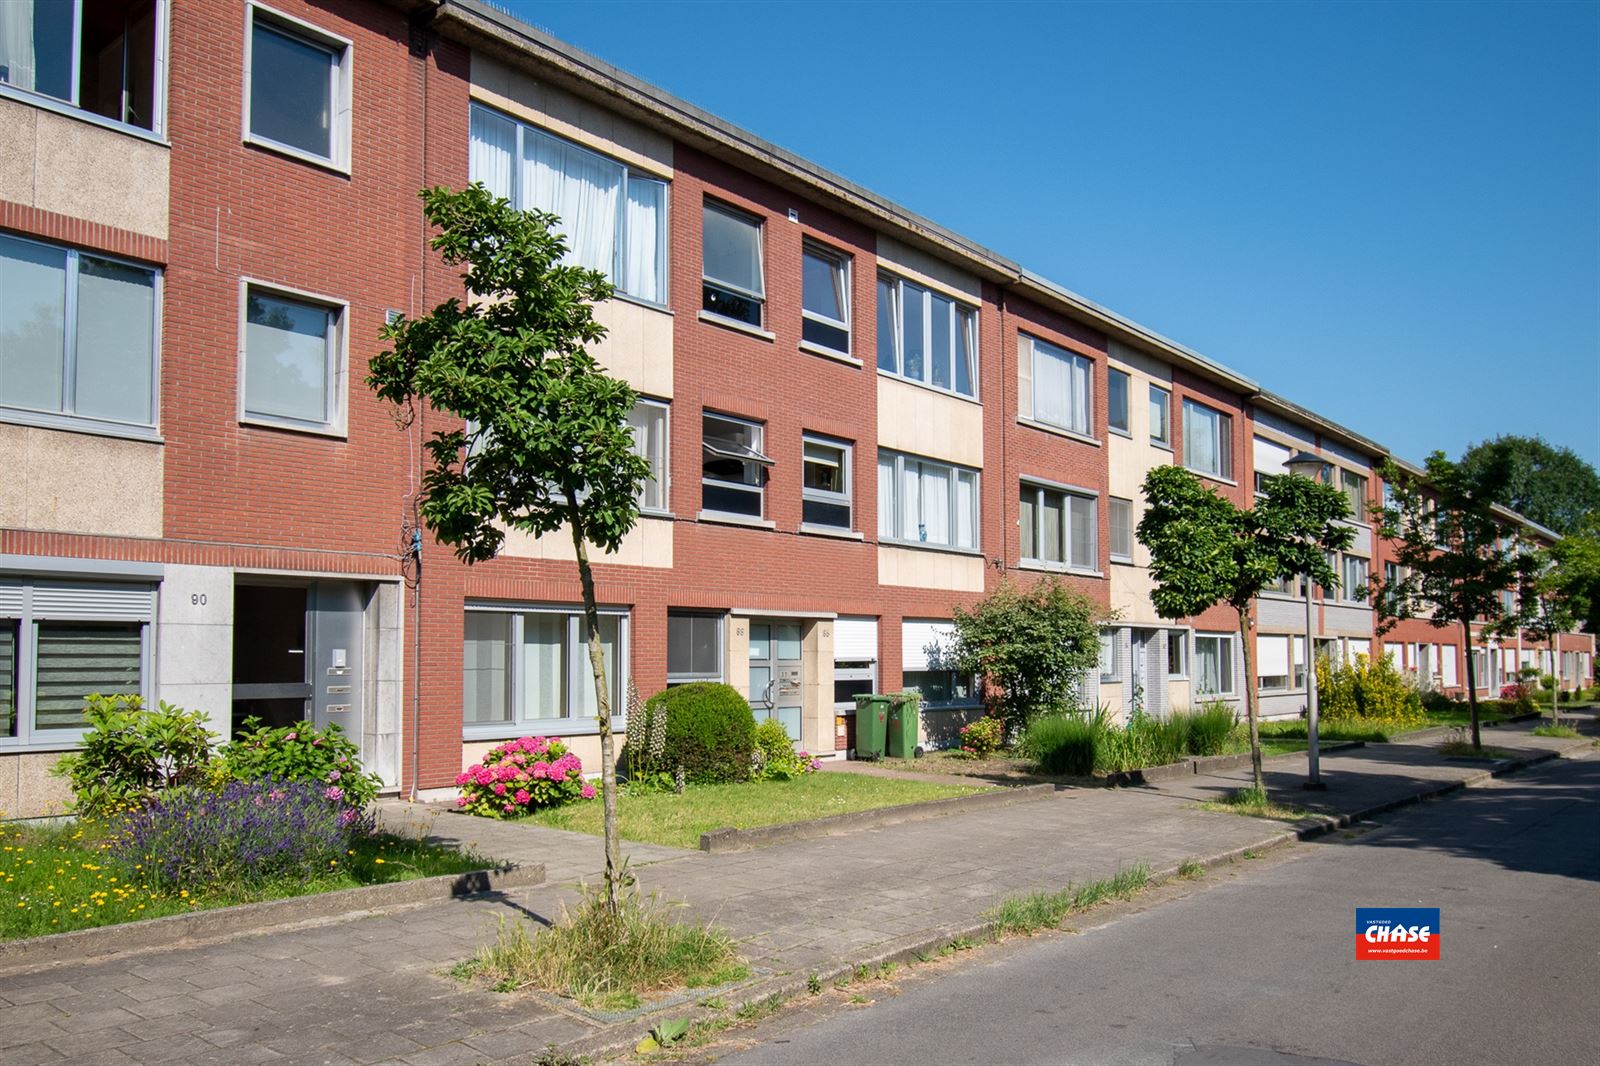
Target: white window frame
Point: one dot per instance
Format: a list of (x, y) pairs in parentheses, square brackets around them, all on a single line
[(1109, 672), (1358, 502), (1074, 360), (578, 671), (722, 648), (1225, 642), (841, 265), (340, 74), (964, 318), (338, 364), (1126, 429), (847, 473), (1111, 515), (759, 490), (630, 174), (1178, 638), (1295, 655), (663, 476), (707, 281), (1222, 440), (1068, 493), (1164, 438), (65, 419), (1347, 591), (894, 508)]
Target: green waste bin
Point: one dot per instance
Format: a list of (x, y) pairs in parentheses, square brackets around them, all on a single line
[(904, 720), (872, 725)]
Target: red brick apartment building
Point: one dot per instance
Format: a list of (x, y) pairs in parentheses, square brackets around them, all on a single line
[(208, 209)]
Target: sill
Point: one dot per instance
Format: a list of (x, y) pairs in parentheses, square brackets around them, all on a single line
[(1045, 427), (831, 531), (322, 162), (1159, 444), (1212, 477), (829, 353), (639, 301), (652, 512), (1056, 568), (924, 546), (1119, 432), (1128, 561), (333, 432), (941, 390), (74, 424), (61, 107), (69, 740), (725, 519), (711, 318), (545, 727)]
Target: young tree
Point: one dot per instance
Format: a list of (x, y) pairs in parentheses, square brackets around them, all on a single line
[(545, 442), (1577, 570), (1554, 598), (1454, 556), (1205, 550), (1033, 645)]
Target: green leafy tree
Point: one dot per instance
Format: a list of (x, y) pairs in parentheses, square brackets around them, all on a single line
[(1455, 557), (545, 444), (1554, 597), (1031, 645), (1576, 574), (1553, 486), (1206, 550)]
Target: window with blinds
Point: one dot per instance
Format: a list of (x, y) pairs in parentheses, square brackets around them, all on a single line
[(8, 679), (77, 659)]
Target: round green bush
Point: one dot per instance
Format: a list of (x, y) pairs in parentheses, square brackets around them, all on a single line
[(710, 731)]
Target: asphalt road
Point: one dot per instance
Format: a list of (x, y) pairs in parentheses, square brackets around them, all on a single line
[(1260, 969)]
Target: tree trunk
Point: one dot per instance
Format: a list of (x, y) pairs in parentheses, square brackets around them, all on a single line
[(1472, 687), (1250, 700), (602, 695)]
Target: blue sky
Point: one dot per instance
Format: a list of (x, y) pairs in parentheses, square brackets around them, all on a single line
[(1389, 212)]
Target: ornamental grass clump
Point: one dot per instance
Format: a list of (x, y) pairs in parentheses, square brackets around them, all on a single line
[(242, 836), (522, 776), (1210, 728)]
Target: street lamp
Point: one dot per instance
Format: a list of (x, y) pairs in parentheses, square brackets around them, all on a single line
[(1305, 464)]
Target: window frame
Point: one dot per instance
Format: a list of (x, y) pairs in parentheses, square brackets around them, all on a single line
[(964, 321), (664, 479), (341, 77), (338, 383), (973, 683), (1109, 665), (1113, 375), (900, 459), (1178, 638), (69, 420), (759, 488), (1295, 679), (1111, 516), (843, 499), (578, 671), (1164, 439), (843, 264), (1068, 493), (1223, 441), (1071, 357), (682, 678), (706, 281), (1347, 591), (1359, 507), (1224, 640)]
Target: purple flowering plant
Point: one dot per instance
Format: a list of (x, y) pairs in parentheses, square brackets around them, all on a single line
[(521, 776)]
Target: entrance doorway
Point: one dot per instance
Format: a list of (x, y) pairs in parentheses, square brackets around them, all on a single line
[(298, 653), (777, 673)]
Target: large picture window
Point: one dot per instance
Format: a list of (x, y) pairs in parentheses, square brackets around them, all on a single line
[(1207, 440), (529, 669), (102, 56), (1059, 528), (77, 334), (613, 217), (925, 502), (1063, 389), (927, 337)]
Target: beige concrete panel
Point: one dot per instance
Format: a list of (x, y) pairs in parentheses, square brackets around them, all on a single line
[(18, 130), (638, 345), (1131, 587), (929, 423), (77, 483), (40, 793), (648, 544), (816, 714), (917, 568), (924, 269), (9, 765), (1179, 694), (510, 90), (90, 172), (738, 664), (1140, 364)]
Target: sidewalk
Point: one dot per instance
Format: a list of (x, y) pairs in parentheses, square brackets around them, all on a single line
[(370, 989)]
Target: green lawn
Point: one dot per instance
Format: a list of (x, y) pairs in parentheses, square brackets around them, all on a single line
[(678, 821), (1294, 729), (58, 879), (1462, 716)]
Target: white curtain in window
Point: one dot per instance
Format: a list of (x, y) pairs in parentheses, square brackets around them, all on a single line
[(936, 503), (1199, 439), (543, 665), (491, 155), (911, 503), (33, 301), (580, 188), (641, 254), (886, 508), (486, 667), (1085, 550), (1080, 396), (1207, 665), (583, 702), (17, 63), (1051, 387), (116, 334), (966, 509)]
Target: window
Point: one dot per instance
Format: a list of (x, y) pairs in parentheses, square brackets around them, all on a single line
[(648, 420), (62, 642), (1354, 579), (926, 337), (1121, 530), (1207, 440), (1273, 666), (694, 647), (1177, 653), (1160, 416), (732, 476), (1213, 661), (531, 667), (1355, 490), (78, 334), (613, 217), (297, 88), (941, 689), (852, 678), (1108, 655), (825, 491), (733, 280), (1063, 390), (825, 298), (924, 502), (1059, 528), (1117, 384), (98, 55), (293, 361)]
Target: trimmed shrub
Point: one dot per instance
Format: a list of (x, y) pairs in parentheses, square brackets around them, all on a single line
[(981, 739), (775, 758), (1209, 728), (130, 754), (710, 732), (522, 776), (300, 752), (1063, 743)]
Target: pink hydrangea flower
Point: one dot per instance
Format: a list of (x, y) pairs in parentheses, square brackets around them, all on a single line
[(540, 770), (558, 772), (461, 801), (499, 789), (588, 792), (522, 796), (291, 736)]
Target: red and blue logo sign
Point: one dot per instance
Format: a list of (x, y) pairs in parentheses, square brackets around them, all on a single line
[(1397, 933)]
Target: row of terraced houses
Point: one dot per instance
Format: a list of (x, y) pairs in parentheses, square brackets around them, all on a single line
[(855, 418)]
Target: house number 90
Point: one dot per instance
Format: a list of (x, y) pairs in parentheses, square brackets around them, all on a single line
[(198, 599)]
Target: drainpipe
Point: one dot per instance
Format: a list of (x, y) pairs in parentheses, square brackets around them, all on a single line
[(421, 47)]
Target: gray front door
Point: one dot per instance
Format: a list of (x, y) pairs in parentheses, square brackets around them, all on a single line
[(338, 629), (777, 673)]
